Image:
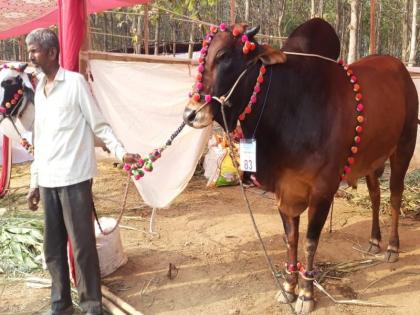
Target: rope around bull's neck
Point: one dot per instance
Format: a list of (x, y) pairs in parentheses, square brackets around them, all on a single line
[(309, 55)]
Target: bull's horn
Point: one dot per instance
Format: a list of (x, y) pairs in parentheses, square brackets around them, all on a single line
[(22, 66), (251, 32)]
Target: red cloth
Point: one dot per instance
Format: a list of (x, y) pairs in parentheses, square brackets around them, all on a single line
[(23, 16), (71, 27)]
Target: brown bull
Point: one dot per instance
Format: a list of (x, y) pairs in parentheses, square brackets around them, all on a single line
[(315, 122)]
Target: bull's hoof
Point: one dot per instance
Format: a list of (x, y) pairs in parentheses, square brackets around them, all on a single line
[(287, 297), (304, 306), (374, 248), (391, 256)]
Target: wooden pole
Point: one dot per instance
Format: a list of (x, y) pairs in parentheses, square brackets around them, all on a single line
[(85, 45), (112, 308), (232, 12), (119, 302), (372, 45)]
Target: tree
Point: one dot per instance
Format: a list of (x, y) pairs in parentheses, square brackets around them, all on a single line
[(353, 31), (411, 59)]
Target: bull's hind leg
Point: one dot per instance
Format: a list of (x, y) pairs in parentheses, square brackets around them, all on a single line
[(317, 214), (375, 197), (291, 229), (400, 160)]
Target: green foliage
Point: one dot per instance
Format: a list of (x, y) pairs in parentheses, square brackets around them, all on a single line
[(20, 244)]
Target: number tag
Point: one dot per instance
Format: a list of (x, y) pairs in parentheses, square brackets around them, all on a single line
[(248, 155)]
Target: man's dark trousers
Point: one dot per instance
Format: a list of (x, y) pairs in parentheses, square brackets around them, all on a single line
[(68, 214)]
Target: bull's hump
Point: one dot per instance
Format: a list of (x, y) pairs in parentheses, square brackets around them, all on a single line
[(315, 36)]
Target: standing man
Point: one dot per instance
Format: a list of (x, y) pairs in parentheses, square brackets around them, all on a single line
[(66, 120)]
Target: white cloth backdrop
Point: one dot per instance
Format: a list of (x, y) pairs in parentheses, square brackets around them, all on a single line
[(415, 75), (144, 103)]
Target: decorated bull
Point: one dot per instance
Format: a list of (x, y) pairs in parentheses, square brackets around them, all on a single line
[(16, 113), (316, 122)]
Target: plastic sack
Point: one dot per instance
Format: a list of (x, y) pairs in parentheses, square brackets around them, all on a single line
[(110, 250), (218, 165)]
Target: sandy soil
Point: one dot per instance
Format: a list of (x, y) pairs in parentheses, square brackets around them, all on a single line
[(208, 236)]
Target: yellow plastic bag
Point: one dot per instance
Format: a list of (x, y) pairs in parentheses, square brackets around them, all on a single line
[(227, 172)]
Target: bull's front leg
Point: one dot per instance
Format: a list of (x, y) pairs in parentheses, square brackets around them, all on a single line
[(291, 229), (317, 214)]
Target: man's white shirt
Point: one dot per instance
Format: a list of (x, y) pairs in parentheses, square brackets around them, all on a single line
[(65, 123)]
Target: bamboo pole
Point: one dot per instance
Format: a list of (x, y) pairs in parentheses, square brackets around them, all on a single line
[(119, 302)]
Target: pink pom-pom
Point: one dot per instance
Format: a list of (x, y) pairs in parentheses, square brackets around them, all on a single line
[(207, 98), (360, 107), (200, 68), (257, 88), (253, 99), (244, 38), (127, 167), (353, 79), (222, 27), (199, 86), (203, 50), (140, 162), (347, 169), (137, 177)]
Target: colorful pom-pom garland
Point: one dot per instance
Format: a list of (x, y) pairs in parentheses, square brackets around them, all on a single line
[(253, 98), (26, 145), (248, 46), (11, 67), (12, 102), (354, 149), (143, 164)]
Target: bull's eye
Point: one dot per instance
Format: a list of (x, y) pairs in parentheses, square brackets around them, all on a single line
[(222, 55)]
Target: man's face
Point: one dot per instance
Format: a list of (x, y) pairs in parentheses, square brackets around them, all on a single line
[(38, 57)]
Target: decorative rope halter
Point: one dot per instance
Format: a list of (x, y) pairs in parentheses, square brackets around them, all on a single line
[(248, 46)]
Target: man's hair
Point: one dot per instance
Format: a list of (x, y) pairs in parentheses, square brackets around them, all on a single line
[(45, 38)]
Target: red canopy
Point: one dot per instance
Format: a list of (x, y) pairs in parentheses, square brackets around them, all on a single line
[(19, 17)]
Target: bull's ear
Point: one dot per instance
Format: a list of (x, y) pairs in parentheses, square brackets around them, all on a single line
[(271, 56)]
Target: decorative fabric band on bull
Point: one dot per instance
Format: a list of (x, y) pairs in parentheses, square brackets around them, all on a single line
[(236, 32), (359, 120)]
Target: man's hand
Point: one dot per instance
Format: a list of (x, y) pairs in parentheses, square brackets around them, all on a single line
[(131, 158), (33, 199)]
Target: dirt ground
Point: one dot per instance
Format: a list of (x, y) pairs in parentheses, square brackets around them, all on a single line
[(208, 236)]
